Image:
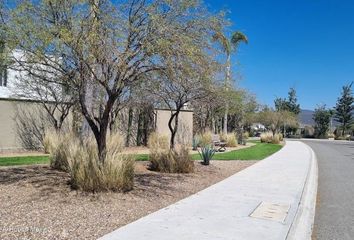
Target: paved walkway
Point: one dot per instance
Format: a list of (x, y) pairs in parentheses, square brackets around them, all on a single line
[(270, 191)]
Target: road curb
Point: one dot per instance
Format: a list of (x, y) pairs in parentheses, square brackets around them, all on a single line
[(302, 225)]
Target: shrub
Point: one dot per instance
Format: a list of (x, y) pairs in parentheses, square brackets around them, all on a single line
[(268, 137), (223, 137), (195, 143), (183, 161), (163, 159), (205, 139), (281, 138), (206, 154), (87, 173), (157, 142), (330, 135), (276, 139), (50, 141), (61, 147), (172, 161), (246, 135), (231, 140)]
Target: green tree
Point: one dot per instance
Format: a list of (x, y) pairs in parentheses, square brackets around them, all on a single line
[(100, 48), (228, 47), (290, 104), (322, 118), (344, 108), (275, 120)]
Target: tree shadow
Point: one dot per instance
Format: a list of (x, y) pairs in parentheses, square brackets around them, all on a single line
[(42, 177)]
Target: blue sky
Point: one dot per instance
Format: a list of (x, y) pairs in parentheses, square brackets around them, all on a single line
[(306, 44)]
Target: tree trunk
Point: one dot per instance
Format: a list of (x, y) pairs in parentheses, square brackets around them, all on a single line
[(173, 128), (213, 125), (227, 84), (129, 129)]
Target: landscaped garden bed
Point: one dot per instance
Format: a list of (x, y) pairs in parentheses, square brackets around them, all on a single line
[(37, 202)]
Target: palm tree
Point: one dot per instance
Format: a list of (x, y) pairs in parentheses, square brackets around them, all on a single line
[(228, 47)]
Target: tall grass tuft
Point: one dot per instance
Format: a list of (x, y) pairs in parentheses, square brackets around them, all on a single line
[(87, 172), (50, 141), (163, 159), (268, 137), (205, 139), (231, 140)]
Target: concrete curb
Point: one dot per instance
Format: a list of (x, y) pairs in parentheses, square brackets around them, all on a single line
[(302, 225)]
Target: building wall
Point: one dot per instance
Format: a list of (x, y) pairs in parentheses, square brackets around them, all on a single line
[(8, 135), (185, 125), (9, 140)]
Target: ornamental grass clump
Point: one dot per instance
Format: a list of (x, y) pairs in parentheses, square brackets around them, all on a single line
[(205, 139), (231, 140), (87, 171), (164, 159), (61, 147), (268, 137)]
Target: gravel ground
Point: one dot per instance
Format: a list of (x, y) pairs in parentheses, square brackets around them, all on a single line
[(37, 203)]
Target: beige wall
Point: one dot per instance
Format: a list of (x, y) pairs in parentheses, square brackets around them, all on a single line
[(185, 126), (10, 142), (8, 136)]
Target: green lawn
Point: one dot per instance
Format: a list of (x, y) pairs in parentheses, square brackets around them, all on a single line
[(25, 160), (256, 152)]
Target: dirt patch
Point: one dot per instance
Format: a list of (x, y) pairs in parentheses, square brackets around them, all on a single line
[(37, 202)]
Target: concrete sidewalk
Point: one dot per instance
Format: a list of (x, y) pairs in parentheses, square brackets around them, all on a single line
[(264, 201)]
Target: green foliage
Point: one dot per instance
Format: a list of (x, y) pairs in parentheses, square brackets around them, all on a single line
[(344, 108), (195, 143), (277, 120), (206, 153), (229, 45), (290, 104), (322, 118)]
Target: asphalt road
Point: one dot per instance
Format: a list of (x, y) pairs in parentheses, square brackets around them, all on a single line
[(334, 219)]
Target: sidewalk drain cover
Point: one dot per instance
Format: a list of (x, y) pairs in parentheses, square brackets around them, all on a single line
[(271, 211)]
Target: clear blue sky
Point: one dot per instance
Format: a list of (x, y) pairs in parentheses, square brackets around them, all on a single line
[(306, 44)]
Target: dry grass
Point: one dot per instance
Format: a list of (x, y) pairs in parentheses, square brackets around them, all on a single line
[(205, 139), (268, 137), (40, 198), (231, 140), (163, 159), (88, 173)]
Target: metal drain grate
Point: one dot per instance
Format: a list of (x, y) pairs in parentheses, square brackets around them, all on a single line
[(271, 211)]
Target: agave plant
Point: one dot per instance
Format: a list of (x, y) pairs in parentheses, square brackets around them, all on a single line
[(195, 143), (206, 154)]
